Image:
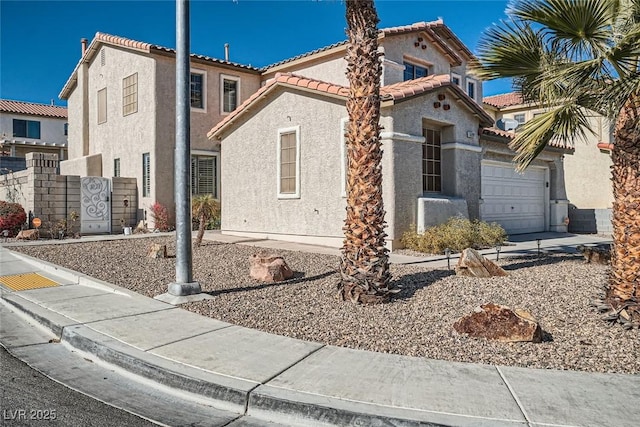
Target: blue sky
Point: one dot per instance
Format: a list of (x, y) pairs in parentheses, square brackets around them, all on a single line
[(40, 40)]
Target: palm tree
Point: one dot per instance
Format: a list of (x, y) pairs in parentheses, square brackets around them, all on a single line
[(570, 56), (364, 265), (204, 208)]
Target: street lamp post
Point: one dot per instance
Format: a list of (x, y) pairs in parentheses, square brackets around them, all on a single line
[(184, 284)]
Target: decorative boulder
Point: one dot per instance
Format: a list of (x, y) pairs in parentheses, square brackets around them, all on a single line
[(28, 235), (269, 268), (471, 263), (500, 323), (600, 254), (157, 250)]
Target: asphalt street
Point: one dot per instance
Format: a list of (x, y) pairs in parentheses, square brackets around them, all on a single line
[(28, 398)]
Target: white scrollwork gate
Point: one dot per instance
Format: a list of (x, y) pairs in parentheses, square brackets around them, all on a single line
[(95, 195)]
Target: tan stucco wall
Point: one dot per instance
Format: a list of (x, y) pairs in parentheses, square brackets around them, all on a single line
[(249, 200), (51, 129), (587, 171), (329, 68)]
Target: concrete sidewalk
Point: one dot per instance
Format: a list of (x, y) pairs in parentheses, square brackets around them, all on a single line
[(291, 382)]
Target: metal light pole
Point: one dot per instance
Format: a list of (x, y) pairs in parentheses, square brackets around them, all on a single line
[(184, 284)]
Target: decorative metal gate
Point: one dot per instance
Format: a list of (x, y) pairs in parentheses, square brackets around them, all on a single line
[(95, 204)]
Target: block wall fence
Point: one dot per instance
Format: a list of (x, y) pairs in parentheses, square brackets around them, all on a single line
[(45, 194)]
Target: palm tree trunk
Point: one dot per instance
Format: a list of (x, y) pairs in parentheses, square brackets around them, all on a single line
[(200, 235), (623, 292), (364, 265)]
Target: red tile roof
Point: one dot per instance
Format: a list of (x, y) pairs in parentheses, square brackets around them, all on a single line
[(436, 31), (393, 93), (495, 132), (504, 100), (108, 39), (33, 109)]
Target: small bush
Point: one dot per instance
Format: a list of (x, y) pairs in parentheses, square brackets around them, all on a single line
[(456, 234), (160, 216), (12, 217)]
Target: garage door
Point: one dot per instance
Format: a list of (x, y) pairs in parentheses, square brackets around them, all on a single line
[(515, 201)]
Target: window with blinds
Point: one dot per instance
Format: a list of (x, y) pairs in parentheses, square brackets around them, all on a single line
[(116, 167), (203, 175), (146, 175), (288, 160), (130, 94)]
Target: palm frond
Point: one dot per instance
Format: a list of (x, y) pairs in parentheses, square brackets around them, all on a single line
[(561, 125)]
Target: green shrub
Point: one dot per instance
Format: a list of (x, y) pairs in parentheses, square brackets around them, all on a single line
[(12, 217), (456, 234)]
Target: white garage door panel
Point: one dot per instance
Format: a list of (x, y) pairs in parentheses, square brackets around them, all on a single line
[(515, 201)]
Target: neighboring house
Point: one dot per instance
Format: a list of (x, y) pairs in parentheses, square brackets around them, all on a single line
[(27, 127), (587, 171), (121, 100), (283, 150)]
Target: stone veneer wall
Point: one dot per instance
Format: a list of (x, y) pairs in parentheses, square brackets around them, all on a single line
[(52, 197)]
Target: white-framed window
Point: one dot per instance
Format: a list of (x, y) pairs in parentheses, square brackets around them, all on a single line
[(102, 105), (471, 88), (198, 90), (229, 93), (414, 71), (130, 94), (431, 160), (344, 164), (520, 118), (456, 79), (116, 167), (204, 174), (288, 159), (146, 175)]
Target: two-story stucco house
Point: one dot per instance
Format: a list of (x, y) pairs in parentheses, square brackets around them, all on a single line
[(27, 127), (283, 150), (587, 166), (121, 101)]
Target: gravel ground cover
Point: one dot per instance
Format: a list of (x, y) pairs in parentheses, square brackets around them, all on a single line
[(556, 289)]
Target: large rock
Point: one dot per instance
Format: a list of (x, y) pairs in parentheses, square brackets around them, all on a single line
[(500, 323), (28, 235), (471, 263), (269, 268), (157, 250)]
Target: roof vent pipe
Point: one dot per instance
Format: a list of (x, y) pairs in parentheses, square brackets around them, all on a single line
[(83, 42), (226, 52)]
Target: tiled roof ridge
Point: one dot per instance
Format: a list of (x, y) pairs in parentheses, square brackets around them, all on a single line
[(127, 42), (504, 99), (32, 108), (417, 26)]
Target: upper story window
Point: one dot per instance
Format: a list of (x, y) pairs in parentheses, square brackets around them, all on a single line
[(471, 88), (413, 71), (66, 129), (519, 118), (130, 94), (26, 128), (197, 90), (229, 93), (102, 105), (456, 79)]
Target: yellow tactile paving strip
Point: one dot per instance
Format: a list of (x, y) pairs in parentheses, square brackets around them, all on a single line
[(23, 282)]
